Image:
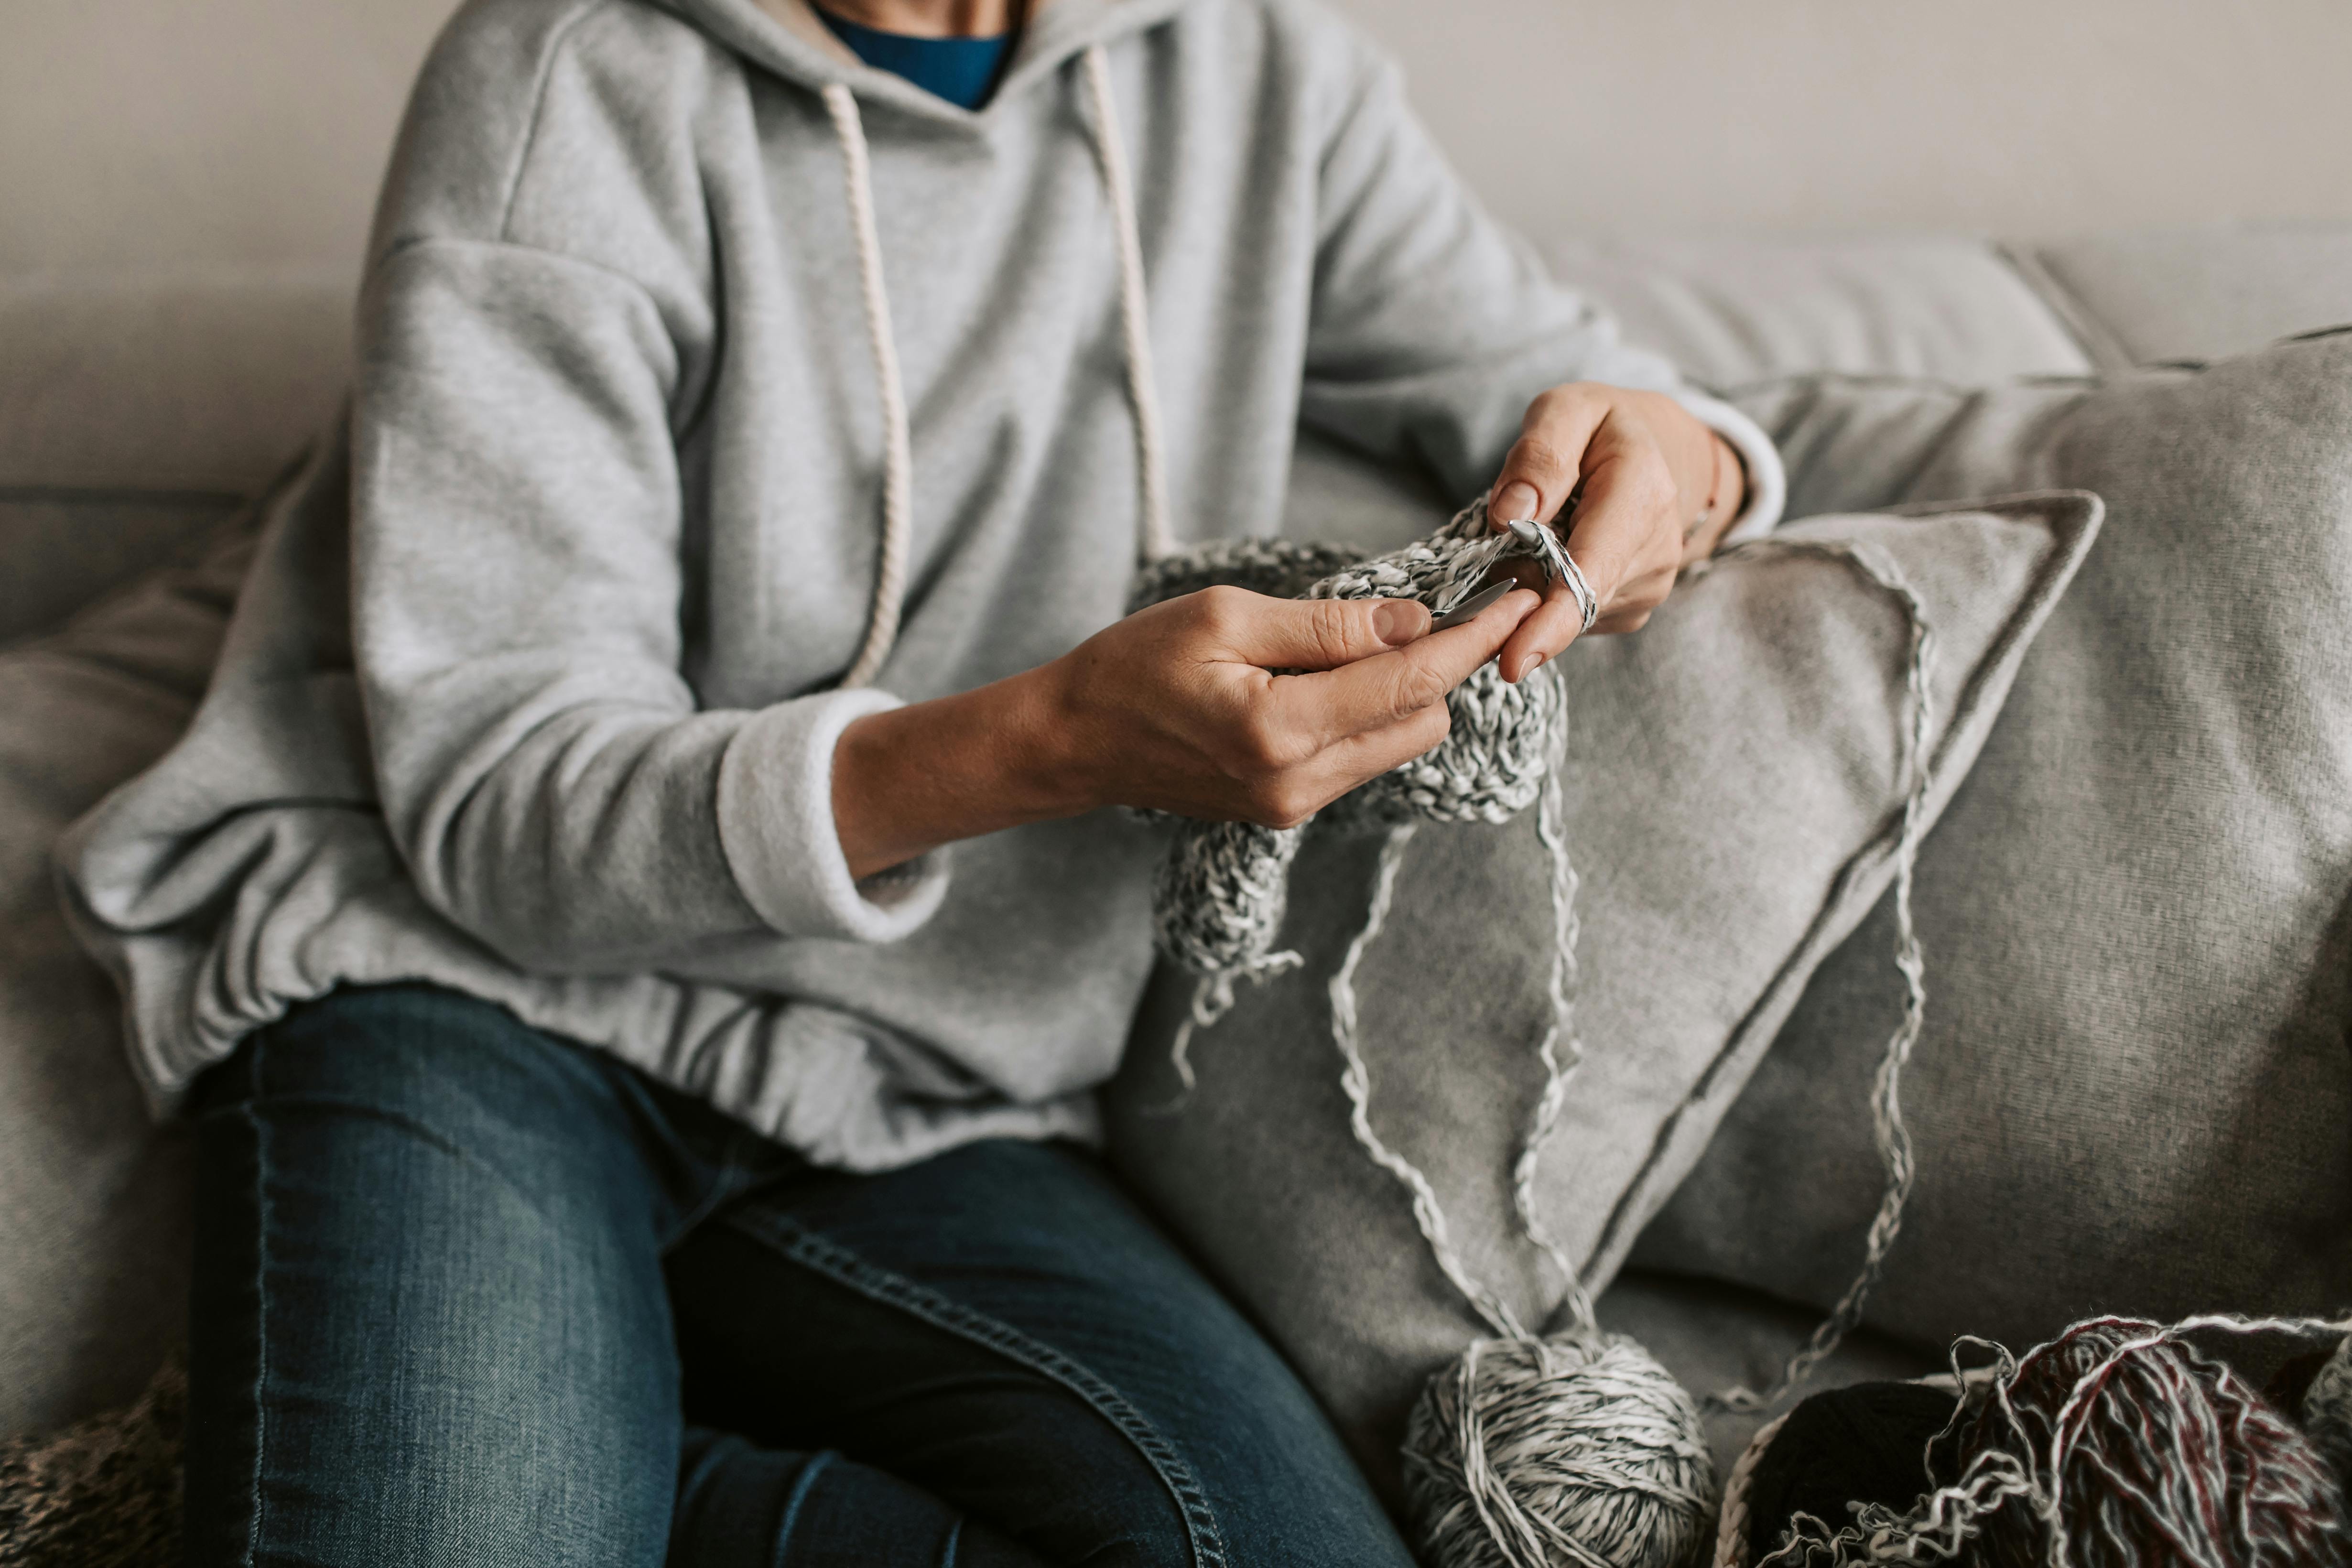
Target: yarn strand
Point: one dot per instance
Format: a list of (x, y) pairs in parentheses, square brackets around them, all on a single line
[(1890, 1133), (1355, 1080), (1560, 1051)]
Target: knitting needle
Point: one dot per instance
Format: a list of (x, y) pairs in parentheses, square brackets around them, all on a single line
[(1468, 611)]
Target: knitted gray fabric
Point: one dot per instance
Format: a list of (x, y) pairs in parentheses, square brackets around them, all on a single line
[(1219, 899), (103, 1494)]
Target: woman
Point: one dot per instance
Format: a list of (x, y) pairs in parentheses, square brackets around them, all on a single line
[(628, 1129)]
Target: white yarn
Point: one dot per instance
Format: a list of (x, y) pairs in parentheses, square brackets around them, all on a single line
[(1560, 1052), (1355, 1081), (1889, 1133), (897, 461)]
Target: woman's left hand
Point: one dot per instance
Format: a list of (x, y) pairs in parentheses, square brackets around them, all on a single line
[(1654, 490)]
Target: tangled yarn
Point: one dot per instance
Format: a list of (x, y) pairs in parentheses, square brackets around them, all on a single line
[(2118, 1445), (1576, 1448)]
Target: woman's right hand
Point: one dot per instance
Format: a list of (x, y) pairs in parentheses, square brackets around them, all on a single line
[(1174, 708)]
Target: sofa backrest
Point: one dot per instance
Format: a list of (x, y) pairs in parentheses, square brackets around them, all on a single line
[(135, 414)]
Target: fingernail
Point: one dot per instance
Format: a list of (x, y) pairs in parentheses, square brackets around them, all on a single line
[(1398, 621), (1518, 500)]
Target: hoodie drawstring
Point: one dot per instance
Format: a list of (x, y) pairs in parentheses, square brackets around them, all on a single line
[(897, 445), (898, 462), (1134, 313)]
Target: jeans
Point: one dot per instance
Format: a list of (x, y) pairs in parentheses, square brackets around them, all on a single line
[(470, 1295)]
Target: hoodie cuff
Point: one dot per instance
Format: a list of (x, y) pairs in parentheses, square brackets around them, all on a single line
[(1767, 480), (775, 822)]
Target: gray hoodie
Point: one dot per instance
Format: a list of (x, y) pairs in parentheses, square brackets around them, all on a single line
[(714, 390)]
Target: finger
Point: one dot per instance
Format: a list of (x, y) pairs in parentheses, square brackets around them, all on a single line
[(1373, 693), (1373, 753), (1544, 464), (1625, 530), (1560, 620), (1543, 635), (1628, 517), (1307, 634)]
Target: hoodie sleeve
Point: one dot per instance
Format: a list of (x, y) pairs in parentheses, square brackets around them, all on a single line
[(518, 586), (1434, 325)]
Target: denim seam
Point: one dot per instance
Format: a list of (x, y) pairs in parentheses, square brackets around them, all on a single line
[(260, 1299), (840, 1264)]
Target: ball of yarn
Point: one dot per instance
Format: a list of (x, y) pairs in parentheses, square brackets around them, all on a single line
[(1866, 1443), (2164, 1458), (1578, 1451)]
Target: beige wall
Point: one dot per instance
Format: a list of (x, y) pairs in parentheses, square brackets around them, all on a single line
[(165, 133), (2034, 117)]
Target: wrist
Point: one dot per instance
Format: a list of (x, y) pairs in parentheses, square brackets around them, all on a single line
[(1728, 486), (1689, 446), (910, 779), (1049, 765)]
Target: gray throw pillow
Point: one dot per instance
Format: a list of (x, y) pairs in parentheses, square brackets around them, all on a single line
[(1731, 786), (2135, 1090), (93, 1195)]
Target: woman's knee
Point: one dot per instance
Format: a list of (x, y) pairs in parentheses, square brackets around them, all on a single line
[(427, 1296), (420, 1077)]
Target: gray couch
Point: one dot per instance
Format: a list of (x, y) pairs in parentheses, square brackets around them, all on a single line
[(137, 417)]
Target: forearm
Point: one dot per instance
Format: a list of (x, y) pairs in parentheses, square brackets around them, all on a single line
[(915, 778)]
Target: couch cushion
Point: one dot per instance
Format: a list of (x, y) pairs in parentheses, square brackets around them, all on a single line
[(1736, 309), (136, 414), (1730, 789), (2201, 294), (93, 1229), (2135, 1088)]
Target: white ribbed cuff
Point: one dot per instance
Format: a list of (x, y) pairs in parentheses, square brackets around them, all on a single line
[(1767, 480), (775, 822)]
